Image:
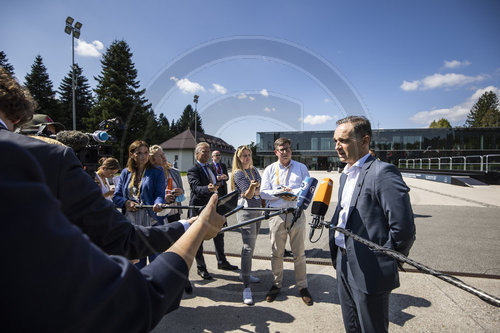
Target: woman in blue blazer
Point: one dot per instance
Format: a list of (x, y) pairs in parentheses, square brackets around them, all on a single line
[(140, 183)]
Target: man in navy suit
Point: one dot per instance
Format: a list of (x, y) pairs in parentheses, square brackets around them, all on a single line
[(202, 178), (80, 198), (373, 203)]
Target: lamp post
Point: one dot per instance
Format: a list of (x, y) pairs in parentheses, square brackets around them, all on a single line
[(195, 101), (74, 31)]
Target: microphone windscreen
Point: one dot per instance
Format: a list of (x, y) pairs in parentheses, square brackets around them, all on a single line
[(306, 193), (74, 139), (322, 198)]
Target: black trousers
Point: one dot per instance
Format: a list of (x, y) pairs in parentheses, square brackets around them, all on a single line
[(361, 312), (219, 252)]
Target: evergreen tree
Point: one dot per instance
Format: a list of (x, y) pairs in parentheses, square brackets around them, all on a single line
[(187, 120), (40, 87), (118, 95), (487, 104), (441, 123), (4, 62), (83, 99)]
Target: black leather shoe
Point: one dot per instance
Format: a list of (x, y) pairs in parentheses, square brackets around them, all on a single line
[(227, 266), (188, 288), (272, 293), (306, 296), (204, 274)]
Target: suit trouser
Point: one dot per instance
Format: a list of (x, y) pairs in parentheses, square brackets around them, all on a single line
[(279, 229), (219, 252), (361, 312)]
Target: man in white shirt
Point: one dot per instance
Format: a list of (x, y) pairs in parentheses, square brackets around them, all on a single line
[(373, 203), (285, 176)]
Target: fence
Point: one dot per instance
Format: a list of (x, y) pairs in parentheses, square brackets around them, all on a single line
[(485, 163)]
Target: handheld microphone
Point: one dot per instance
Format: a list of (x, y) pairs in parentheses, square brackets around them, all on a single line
[(304, 197), (320, 204)]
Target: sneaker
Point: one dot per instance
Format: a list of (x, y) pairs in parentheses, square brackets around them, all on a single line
[(253, 279), (247, 296)]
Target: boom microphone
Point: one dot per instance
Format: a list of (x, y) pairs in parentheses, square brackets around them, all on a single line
[(74, 139), (320, 204), (304, 197)]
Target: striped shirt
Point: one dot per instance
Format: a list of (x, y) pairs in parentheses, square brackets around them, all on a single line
[(242, 183)]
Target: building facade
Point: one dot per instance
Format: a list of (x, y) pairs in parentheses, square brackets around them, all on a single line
[(317, 149)]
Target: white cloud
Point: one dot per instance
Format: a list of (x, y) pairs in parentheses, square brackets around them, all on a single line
[(187, 86), (456, 114), (326, 100), (317, 119), (456, 63), (440, 80), (251, 98), (218, 89), (268, 109), (264, 92), (241, 96), (85, 49)]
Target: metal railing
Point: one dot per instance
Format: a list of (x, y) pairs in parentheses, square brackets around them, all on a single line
[(484, 163)]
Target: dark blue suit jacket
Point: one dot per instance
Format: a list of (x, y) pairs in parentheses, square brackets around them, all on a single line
[(380, 211), (55, 280), (198, 182), (82, 203)]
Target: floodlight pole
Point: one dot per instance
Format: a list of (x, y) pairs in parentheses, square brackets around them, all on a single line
[(73, 83), (71, 30), (195, 101)]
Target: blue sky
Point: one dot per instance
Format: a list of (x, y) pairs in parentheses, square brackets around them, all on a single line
[(406, 62)]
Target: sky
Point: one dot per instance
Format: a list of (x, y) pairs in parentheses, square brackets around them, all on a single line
[(277, 65)]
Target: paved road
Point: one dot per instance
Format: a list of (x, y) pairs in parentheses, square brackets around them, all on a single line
[(457, 230)]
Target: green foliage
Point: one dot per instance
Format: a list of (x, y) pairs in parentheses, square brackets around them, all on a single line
[(441, 123), (485, 112), (4, 62), (83, 100), (257, 160), (187, 120), (118, 95), (40, 87)]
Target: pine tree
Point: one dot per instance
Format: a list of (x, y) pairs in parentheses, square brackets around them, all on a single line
[(4, 62), (187, 120), (40, 87), (487, 104), (118, 95), (83, 99)]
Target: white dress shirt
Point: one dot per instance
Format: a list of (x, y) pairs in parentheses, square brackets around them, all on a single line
[(276, 176), (352, 173)]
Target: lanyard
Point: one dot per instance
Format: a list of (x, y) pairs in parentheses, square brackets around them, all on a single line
[(132, 181), (251, 173), (278, 173)]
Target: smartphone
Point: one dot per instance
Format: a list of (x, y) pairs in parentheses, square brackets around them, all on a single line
[(227, 203)]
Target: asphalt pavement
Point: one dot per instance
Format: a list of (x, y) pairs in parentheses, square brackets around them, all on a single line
[(457, 232)]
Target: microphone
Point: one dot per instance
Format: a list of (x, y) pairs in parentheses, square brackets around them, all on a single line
[(320, 204), (304, 198), (74, 139)]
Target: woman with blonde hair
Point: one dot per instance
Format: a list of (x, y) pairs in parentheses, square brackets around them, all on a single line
[(174, 191), (140, 183), (108, 166), (246, 179)]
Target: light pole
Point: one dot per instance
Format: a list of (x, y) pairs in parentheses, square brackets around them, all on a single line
[(195, 101), (74, 31)]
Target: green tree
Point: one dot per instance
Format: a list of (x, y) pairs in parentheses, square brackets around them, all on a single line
[(441, 123), (162, 131), (4, 62), (118, 95), (487, 104), (187, 120), (83, 99), (40, 87)]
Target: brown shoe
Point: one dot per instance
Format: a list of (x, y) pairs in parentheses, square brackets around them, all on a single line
[(306, 297), (273, 292)]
